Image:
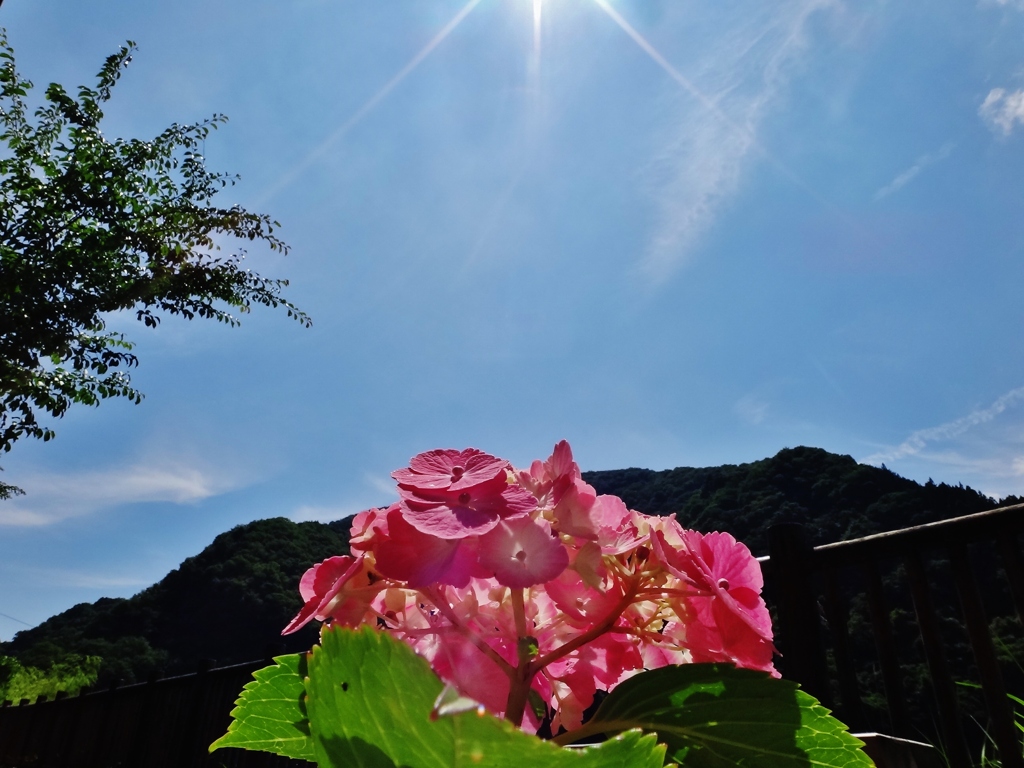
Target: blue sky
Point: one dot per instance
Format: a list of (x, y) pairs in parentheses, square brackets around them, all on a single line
[(671, 232)]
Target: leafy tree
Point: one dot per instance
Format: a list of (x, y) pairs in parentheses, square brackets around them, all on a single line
[(70, 676), (90, 226)]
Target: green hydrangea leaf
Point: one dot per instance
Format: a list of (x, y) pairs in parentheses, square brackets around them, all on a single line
[(270, 715), (715, 715), (370, 698)]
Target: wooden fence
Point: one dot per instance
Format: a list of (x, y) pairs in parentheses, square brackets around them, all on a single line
[(171, 722), (811, 590), (166, 723)]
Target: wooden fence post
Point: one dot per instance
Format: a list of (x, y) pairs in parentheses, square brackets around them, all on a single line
[(799, 627), (1003, 728), (837, 609), (943, 685)]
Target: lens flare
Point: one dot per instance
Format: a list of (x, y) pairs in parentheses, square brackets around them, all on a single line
[(316, 153)]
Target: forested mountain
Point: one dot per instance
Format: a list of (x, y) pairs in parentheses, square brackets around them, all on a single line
[(833, 495), (230, 602)]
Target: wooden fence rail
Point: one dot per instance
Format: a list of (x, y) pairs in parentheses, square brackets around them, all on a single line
[(166, 723), (171, 722), (809, 588)]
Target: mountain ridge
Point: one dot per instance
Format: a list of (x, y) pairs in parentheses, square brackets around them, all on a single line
[(231, 600)]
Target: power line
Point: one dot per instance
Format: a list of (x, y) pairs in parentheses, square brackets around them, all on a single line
[(4, 614)]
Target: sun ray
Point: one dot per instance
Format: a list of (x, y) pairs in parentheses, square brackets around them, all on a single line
[(538, 7), (709, 103), (293, 173)]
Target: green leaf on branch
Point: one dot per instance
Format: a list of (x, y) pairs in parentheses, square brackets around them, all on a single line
[(270, 715), (370, 698), (93, 226), (715, 715)]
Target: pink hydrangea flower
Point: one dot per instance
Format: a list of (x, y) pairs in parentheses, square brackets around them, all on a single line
[(516, 582), (733, 623), (454, 494)]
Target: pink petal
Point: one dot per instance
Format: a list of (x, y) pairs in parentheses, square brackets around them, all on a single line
[(467, 513), (522, 553), (473, 674), (450, 470), (338, 584), (302, 618), (561, 462), (446, 522), (306, 584), (421, 559), (366, 526), (316, 582)]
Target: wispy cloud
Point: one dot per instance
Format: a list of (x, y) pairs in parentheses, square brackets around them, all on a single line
[(89, 579), (918, 441), (381, 484), (322, 514), (913, 171), (52, 497), (1003, 111), (1018, 4), (710, 147), (983, 449), (751, 409), (381, 491)]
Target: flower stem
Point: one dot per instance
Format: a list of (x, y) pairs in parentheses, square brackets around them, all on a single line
[(518, 694), (519, 612), (591, 634), (441, 603), (519, 691)]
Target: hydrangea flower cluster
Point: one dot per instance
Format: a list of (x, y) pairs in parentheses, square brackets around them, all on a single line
[(527, 591)]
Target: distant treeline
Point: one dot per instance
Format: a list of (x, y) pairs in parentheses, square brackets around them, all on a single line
[(230, 602), (833, 496)]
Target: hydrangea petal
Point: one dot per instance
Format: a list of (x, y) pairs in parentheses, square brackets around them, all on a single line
[(420, 559), (521, 552), (468, 513), (450, 470), (319, 584)]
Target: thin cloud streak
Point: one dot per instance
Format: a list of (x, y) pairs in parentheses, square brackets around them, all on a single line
[(702, 162), (674, 73), (290, 176), (916, 443), (54, 497), (709, 103), (88, 580), (913, 171)]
